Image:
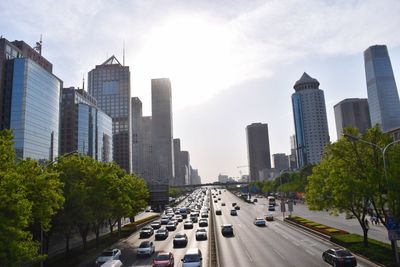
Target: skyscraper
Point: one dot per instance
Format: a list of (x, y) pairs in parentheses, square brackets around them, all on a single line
[(383, 98), (258, 149), (137, 137), (29, 100), (281, 161), (162, 140), (310, 122), (293, 155), (109, 83), (352, 112), (147, 149), (185, 166), (179, 179), (83, 126)]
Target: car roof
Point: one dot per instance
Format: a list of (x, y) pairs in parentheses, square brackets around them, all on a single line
[(193, 251), (226, 225)]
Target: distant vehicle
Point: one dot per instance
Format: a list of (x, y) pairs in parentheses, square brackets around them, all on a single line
[(260, 222), (233, 204), (171, 226), (164, 220), (234, 212), (108, 255), (227, 229), (155, 225), (218, 212), (215, 201), (255, 200), (269, 217), (219, 198), (237, 207), (164, 259), (192, 258), (112, 263), (194, 219), (180, 239), (223, 204), (271, 200), (204, 215), (271, 208), (203, 222), (201, 234), (146, 232), (179, 218), (161, 234), (146, 248), (339, 257), (188, 225)]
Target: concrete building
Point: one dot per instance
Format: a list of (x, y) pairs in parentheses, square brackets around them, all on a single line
[(179, 178), (109, 83), (137, 137), (185, 167), (281, 161), (162, 137), (83, 126), (352, 112), (147, 149), (383, 97), (195, 177), (310, 121), (29, 100), (258, 149)]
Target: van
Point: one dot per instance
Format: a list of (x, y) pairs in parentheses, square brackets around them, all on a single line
[(193, 258), (113, 263)]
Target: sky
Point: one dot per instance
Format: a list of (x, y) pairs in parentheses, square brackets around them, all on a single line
[(231, 63)]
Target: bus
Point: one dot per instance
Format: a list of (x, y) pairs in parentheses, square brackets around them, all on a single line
[(271, 201)]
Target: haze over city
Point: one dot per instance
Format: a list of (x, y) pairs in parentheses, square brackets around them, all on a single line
[(231, 63)]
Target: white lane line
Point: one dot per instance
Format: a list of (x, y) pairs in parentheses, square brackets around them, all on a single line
[(279, 254), (296, 243), (310, 252), (240, 225), (248, 254)]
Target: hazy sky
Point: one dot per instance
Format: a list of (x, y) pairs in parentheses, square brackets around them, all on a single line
[(231, 63)]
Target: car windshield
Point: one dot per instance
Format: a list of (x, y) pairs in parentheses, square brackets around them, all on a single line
[(144, 245), (107, 253), (201, 230), (179, 236), (162, 257), (343, 253), (191, 258)]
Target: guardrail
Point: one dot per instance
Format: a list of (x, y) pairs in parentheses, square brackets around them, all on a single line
[(213, 246)]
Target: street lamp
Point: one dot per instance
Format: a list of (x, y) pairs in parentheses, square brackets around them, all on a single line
[(383, 151)]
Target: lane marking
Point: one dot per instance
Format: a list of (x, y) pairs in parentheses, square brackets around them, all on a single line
[(279, 254), (296, 243), (310, 252), (248, 254)]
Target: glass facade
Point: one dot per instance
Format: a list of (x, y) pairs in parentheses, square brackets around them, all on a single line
[(383, 98), (34, 114), (104, 137)]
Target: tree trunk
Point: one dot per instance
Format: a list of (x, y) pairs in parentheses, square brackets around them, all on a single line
[(365, 231), (96, 229), (83, 230)]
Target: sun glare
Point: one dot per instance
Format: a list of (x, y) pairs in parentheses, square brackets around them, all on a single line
[(195, 54)]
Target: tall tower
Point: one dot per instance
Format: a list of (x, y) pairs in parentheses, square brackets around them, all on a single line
[(179, 179), (162, 140), (383, 98), (110, 84), (137, 137), (310, 122), (352, 112), (258, 149)]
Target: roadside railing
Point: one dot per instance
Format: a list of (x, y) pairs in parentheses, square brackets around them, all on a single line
[(213, 246)]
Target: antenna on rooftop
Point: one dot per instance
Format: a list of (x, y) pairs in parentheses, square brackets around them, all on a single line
[(38, 46), (123, 54), (83, 82)]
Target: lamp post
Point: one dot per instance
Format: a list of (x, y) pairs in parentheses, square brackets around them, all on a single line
[(383, 150)]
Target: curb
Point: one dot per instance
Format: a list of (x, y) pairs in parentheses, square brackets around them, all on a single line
[(213, 246)]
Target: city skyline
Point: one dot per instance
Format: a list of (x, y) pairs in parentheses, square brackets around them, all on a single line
[(255, 87)]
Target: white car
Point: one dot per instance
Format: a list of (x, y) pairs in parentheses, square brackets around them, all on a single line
[(146, 248), (260, 222), (108, 255)]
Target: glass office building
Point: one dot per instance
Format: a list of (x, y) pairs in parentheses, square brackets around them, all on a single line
[(34, 115), (104, 148), (383, 98)]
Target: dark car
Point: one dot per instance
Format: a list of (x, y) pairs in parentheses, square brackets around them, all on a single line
[(234, 212), (171, 226), (233, 204), (271, 208), (180, 240), (146, 232), (237, 207), (339, 257), (161, 234), (227, 230), (164, 259), (188, 225), (218, 212), (255, 200), (156, 225), (203, 222)]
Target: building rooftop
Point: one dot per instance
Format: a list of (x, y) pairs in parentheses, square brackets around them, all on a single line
[(306, 82)]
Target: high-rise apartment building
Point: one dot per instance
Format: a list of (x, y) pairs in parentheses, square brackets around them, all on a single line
[(310, 121), (258, 149), (352, 112), (83, 126), (137, 137), (29, 100), (179, 178), (383, 97), (162, 140), (281, 161), (109, 83)]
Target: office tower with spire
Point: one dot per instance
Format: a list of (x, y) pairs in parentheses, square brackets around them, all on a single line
[(352, 112), (310, 120), (383, 97), (258, 152), (109, 83)]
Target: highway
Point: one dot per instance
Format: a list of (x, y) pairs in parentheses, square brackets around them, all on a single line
[(278, 244)]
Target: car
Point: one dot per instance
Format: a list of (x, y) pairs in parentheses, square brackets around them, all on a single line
[(203, 222), (146, 248), (269, 217), (339, 257), (237, 207), (227, 230), (204, 214), (219, 198), (215, 201), (255, 200), (260, 222), (155, 225), (108, 255), (112, 263), (218, 212), (161, 234), (188, 225), (146, 232), (180, 239), (164, 259), (164, 220), (171, 226), (234, 212), (179, 218), (223, 204), (192, 258), (201, 234), (271, 208), (233, 204)]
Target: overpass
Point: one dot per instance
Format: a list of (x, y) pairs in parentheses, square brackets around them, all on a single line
[(210, 184)]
